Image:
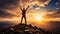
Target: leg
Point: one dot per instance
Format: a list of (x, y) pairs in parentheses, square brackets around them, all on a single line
[(21, 19), (25, 20)]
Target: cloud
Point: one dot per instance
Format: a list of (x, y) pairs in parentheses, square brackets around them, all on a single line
[(33, 2), (57, 3), (9, 4), (55, 13), (5, 14), (8, 8)]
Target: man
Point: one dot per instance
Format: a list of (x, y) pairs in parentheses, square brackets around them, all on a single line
[(24, 14)]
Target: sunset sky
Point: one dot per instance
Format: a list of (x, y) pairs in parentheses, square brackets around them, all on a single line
[(38, 13)]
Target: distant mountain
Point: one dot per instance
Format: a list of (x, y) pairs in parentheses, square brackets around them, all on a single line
[(5, 24), (55, 26)]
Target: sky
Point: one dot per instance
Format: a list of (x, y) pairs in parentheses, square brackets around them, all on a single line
[(39, 12)]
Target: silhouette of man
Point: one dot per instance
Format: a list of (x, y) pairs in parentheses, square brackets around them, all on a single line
[(23, 14)]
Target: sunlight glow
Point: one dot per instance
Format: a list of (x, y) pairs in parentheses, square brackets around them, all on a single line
[(38, 17)]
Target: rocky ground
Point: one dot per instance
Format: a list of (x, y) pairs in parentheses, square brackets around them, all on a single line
[(25, 29)]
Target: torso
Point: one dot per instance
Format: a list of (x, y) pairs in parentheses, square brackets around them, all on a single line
[(23, 12)]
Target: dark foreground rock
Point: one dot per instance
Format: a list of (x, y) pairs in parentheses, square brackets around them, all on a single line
[(25, 29)]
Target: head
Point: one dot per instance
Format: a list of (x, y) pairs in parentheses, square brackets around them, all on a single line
[(23, 8)]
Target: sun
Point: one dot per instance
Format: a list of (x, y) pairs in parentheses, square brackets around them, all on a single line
[(38, 17)]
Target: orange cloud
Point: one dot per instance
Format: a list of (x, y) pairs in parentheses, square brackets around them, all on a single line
[(32, 2)]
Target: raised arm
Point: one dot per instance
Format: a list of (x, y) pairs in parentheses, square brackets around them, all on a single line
[(27, 8), (19, 7)]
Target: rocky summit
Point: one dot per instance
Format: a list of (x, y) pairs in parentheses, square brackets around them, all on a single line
[(24, 29)]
